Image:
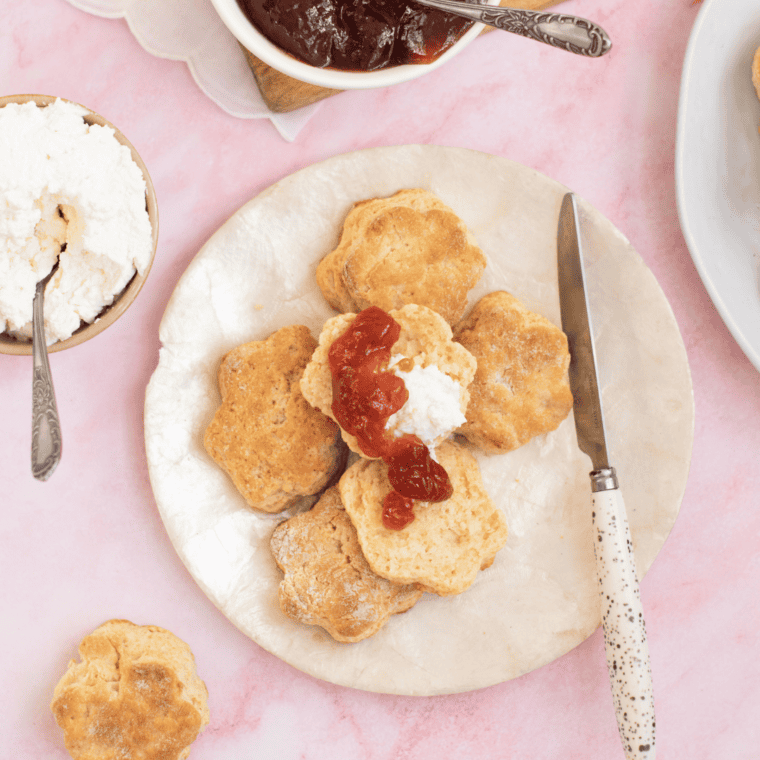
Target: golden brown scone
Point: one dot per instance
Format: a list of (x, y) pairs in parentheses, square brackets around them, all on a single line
[(425, 338), (327, 580), (330, 269), (521, 387), (135, 694), (446, 544), (273, 444), (409, 248), (756, 73)]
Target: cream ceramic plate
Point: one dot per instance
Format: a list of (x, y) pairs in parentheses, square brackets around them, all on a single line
[(718, 163), (538, 600)]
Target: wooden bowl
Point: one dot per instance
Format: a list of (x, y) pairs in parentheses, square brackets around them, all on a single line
[(11, 345)]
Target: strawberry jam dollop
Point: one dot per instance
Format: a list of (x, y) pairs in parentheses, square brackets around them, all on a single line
[(365, 395)]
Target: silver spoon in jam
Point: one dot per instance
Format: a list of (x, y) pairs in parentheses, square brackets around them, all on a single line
[(46, 427), (572, 33)]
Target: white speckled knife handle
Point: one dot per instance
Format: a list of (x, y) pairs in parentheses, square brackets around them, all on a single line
[(623, 622)]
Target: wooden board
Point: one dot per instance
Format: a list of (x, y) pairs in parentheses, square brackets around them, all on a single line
[(282, 93)]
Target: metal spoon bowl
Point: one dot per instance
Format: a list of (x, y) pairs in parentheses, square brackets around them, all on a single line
[(572, 33)]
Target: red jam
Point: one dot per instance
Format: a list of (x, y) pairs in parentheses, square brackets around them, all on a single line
[(365, 395), (355, 35)]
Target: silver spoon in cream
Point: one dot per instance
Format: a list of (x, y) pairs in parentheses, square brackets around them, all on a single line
[(46, 427), (572, 33)]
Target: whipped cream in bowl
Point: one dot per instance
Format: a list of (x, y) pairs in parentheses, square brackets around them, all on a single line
[(72, 187)]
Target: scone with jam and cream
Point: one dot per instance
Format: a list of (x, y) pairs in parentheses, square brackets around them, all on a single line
[(446, 544), (435, 371)]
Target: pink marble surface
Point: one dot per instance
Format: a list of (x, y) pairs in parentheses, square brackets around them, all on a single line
[(88, 545)]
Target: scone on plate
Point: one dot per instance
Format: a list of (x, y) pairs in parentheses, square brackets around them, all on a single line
[(521, 387), (447, 543), (273, 444), (135, 694), (425, 341), (409, 248), (327, 581)]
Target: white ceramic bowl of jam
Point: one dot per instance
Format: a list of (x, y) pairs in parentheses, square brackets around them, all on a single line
[(309, 47)]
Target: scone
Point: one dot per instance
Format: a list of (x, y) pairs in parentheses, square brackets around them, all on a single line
[(756, 73), (409, 248), (425, 339), (448, 542), (521, 388), (273, 444), (135, 694), (327, 581)]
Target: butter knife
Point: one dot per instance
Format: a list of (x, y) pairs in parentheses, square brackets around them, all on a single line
[(622, 614)]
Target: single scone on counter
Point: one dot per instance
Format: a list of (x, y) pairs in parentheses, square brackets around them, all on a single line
[(273, 444), (68, 190), (135, 694)]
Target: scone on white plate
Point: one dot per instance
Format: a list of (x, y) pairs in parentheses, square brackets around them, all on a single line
[(446, 544), (521, 388), (275, 446), (408, 248), (327, 581), (425, 343)]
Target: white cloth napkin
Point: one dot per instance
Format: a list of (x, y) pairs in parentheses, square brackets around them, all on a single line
[(191, 31)]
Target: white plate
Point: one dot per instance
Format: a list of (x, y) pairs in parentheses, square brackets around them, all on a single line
[(718, 163), (539, 599)]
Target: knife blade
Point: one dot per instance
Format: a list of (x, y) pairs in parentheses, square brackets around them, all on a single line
[(625, 638)]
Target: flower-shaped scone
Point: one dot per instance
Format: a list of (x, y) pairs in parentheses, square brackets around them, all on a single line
[(409, 248), (274, 445), (756, 72), (424, 344), (446, 544), (521, 387), (327, 581), (135, 694)]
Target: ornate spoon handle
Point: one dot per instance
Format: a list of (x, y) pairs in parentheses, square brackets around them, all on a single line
[(577, 35), (46, 427)]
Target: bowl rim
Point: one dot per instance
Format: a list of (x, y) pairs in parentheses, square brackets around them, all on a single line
[(124, 299), (259, 46)]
